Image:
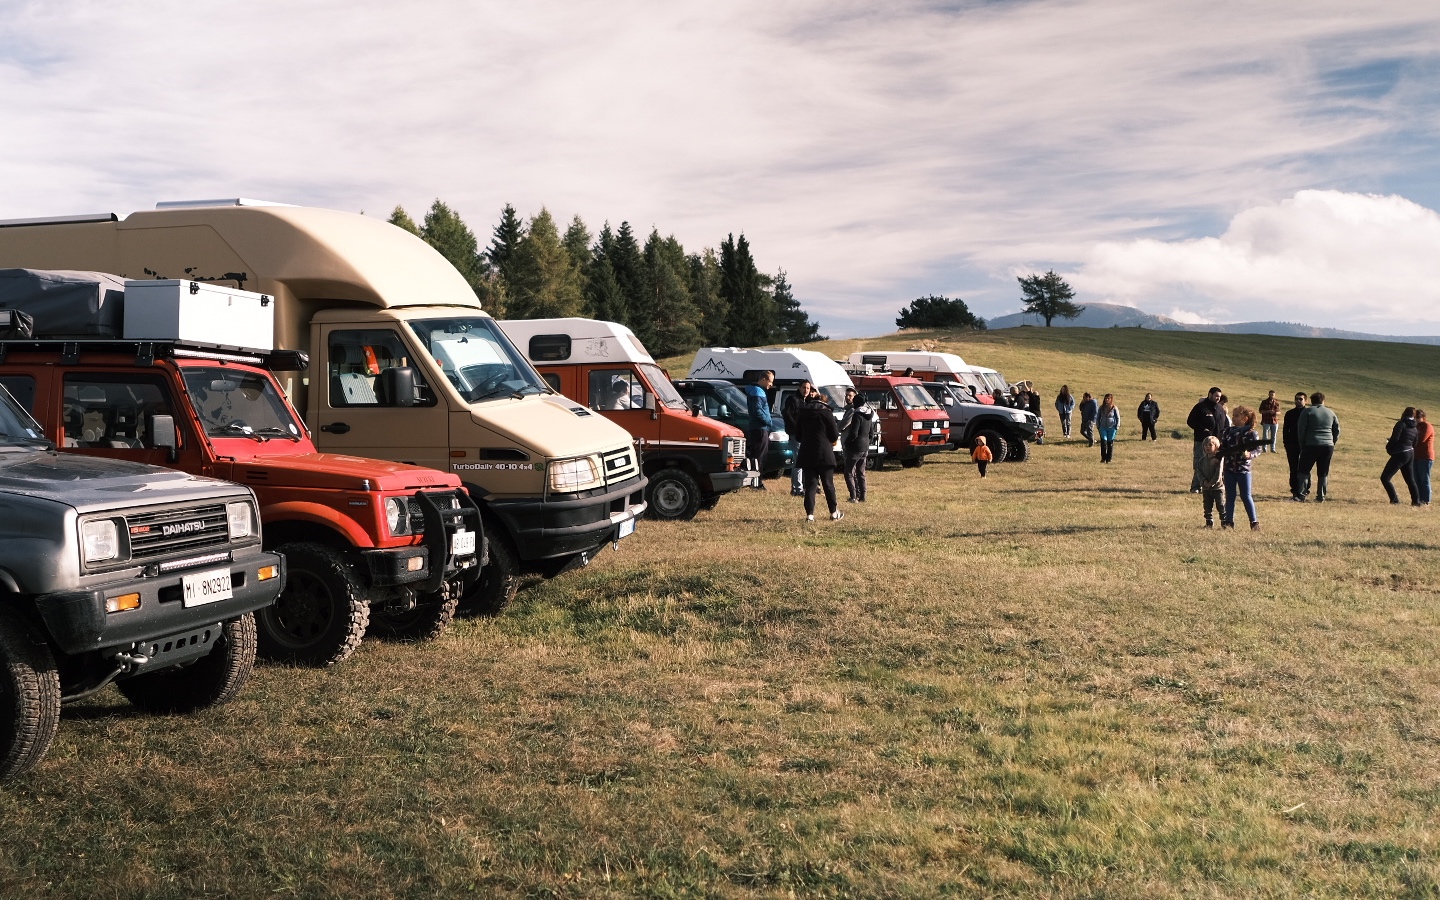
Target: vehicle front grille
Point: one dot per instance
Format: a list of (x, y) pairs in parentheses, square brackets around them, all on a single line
[(620, 465), (160, 533), (735, 448)]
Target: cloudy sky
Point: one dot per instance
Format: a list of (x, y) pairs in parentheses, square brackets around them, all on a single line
[(1213, 161)]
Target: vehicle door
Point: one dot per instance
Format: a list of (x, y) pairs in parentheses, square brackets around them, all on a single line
[(112, 414), (619, 394), (351, 412)]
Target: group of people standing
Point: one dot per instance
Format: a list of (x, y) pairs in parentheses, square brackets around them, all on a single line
[(810, 421), (1100, 420)]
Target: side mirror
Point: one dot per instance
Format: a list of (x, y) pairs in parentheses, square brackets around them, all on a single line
[(397, 387), (162, 434), (649, 400), (694, 408)]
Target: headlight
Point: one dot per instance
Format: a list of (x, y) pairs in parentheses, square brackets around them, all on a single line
[(917, 426), (241, 520), (779, 436), (99, 540), (1019, 416), (397, 515), (567, 475)]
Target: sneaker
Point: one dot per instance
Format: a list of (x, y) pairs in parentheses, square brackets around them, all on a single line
[(1227, 524), (809, 518), (838, 514)]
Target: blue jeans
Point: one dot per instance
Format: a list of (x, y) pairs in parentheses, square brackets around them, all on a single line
[(1422, 478), (1267, 433), (1238, 483)]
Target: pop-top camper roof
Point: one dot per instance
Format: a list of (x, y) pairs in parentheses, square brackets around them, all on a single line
[(575, 340), (790, 364)]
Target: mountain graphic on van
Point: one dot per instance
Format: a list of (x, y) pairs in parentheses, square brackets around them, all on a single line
[(714, 367)]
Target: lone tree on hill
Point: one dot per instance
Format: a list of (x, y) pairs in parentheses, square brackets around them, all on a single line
[(939, 312), (1049, 296)]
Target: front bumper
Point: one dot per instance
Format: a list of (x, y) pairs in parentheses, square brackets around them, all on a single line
[(725, 482), (548, 529), (78, 623)]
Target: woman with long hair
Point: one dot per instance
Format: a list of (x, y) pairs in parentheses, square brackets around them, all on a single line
[(1401, 448), (1241, 445), (1107, 420), (1064, 406)]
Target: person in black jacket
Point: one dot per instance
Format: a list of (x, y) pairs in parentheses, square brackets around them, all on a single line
[(1290, 437), (816, 455), (1207, 418), (1401, 448), (857, 429), (1148, 413), (789, 412)]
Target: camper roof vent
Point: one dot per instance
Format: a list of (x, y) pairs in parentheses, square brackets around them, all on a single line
[(61, 220), (233, 201)]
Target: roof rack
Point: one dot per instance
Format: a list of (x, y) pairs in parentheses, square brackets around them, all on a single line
[(231, 201), (60, 220), (146, 352)]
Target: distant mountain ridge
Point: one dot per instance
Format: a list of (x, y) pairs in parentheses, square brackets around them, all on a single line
[(1111, 315)]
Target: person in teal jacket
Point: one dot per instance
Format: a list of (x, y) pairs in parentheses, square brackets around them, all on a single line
[(1319, 431)]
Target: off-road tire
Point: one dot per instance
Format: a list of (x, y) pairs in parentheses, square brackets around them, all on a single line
[(430, 617), (999, 447), (498, 581), (673, 496), (29, 696), (214, 679), (912, 463), (1019, 451), (321, 616)]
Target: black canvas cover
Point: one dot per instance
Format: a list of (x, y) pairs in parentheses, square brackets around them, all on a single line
[(66, 304)]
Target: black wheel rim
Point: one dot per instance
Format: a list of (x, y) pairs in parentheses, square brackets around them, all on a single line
[(303, 613)]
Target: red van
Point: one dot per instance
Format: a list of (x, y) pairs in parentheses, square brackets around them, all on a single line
[(912, 423)]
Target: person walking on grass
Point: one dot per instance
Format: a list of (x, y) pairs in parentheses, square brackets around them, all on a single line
[(1241, 445), (1148, 414), (757, 436), (1290, 436), (1424, 456), (1107, 419), (1401, 448), (981, 455), (816, 456), (1064, 406), (1205, 420), (1212, 490), (856, 434), (1319, 432), (1269, 420), (1088, 410)]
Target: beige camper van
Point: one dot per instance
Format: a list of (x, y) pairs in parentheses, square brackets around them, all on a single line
[(405, 365)]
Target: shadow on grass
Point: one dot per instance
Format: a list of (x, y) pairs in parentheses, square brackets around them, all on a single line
[(1085, 489)]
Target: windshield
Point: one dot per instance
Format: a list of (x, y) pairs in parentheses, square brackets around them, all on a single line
[(915, 397), (834, 394), (477, 358), (16, 425), (234, 403), (996, 381), (664, 389)]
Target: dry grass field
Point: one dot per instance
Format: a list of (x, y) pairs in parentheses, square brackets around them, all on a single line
[(1052, 682)]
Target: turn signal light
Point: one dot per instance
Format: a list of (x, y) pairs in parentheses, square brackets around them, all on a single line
[(122, 603), (414, 563), (268, 572)]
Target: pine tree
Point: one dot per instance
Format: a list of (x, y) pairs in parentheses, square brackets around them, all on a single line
[(705, 292), (577, 243), (1049, 296), (603, 298), (505, 238), (792, 324), (752, 312), (673, 318), (544, 281), (444, 230), (629, 266), (401, 219)]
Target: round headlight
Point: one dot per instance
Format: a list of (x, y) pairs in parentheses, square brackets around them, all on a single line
[(397, 515)]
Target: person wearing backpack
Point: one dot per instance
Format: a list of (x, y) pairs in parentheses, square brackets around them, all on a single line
[(1239, 445), (857, 430), (1401, 448)]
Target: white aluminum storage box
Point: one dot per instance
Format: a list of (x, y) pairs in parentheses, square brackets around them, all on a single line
[(192, 312)]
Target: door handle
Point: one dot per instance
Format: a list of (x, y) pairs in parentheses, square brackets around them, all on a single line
[(335, 428)]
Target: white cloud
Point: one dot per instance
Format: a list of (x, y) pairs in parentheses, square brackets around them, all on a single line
[(1188, 317), (877, 153), (1351, 260)]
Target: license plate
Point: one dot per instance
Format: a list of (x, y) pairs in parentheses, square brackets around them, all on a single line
[(462, 543), (206, 587), (627, 528), (936, 430)]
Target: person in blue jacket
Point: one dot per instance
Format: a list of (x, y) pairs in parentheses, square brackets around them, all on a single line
[(1107, 418), (757, 436), (1064, 406), (1088, 410)]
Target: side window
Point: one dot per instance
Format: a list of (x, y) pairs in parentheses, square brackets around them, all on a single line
[(879, 399), (615, 389), (356, 359), (22, 388), (113, 411)]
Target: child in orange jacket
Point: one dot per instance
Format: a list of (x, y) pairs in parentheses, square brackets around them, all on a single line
[(982, 455)]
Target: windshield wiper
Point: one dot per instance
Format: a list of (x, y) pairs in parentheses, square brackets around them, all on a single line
[(279, 432)]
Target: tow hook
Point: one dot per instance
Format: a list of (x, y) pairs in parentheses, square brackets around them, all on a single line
[(131, 660)]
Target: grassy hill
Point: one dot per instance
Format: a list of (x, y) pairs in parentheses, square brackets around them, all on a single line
[(1050, 682)]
